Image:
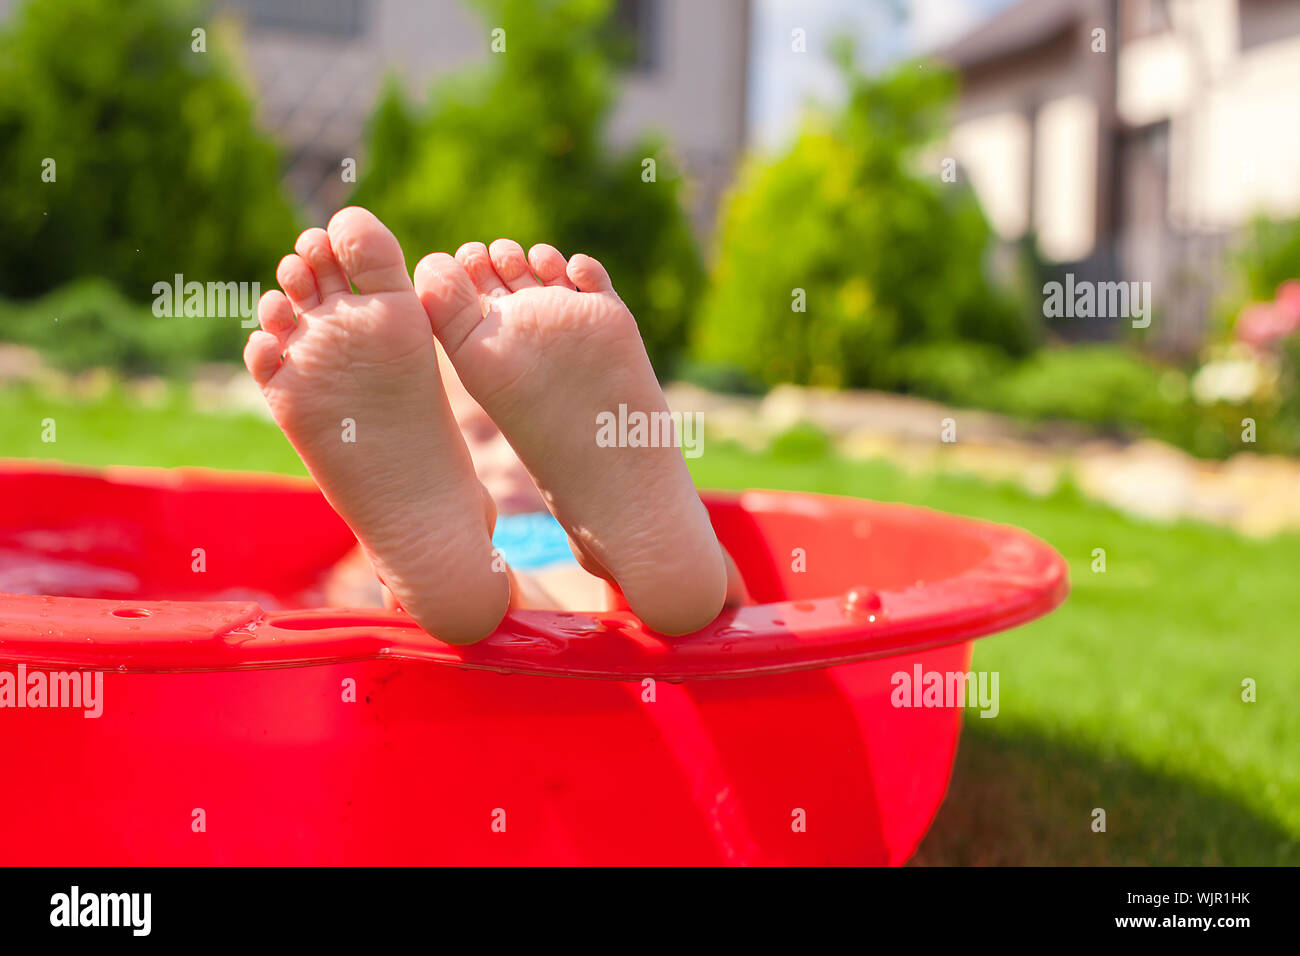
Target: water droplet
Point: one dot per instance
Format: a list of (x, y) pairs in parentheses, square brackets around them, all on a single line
[(732, 631), (862, 600)]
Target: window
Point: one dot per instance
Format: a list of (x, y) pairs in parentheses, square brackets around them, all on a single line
[(637, 24), (1140, 18), (341, 19), (1266, 21)]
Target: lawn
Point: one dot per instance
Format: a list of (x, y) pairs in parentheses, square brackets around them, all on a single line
[(1128, 698)]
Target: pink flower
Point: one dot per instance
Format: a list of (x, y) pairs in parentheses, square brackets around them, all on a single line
[(1288, 300), (1261, 324)]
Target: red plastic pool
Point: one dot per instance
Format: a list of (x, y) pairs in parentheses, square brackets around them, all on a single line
[(229, 734)]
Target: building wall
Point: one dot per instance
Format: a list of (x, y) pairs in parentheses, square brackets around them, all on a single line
[(695, 94), (1027, 132), (1226, 78), (1233, 115), (1217, 92), (1145, 173), (316, 90)]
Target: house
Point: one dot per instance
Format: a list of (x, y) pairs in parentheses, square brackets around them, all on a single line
[(1133, 138), (318, 66)]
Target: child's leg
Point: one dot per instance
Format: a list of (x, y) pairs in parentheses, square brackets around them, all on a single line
[(549, 350), (353, 381), (572, 588)]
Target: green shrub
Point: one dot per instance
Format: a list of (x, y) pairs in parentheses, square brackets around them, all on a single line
[(1101, 385), (718, 377), (838, 254), (89, 323), (1109, 387), (1269, 256), (158, 166), (1114, 388), (518, 150), (1286, 424), (946, 371), (1264, 255), (802, 441)]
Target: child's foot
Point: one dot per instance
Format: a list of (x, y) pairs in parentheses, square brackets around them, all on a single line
[(545, 360), (354, 384)]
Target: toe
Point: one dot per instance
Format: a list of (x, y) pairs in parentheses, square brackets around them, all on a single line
[(369, 254), (262, 356), (549, 265), (449, 298), (474, 257), (298, 282), (508, 259), (589, 275), (276, 315), (314, 247)]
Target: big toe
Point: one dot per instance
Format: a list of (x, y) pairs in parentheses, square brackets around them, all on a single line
[(368, 251)]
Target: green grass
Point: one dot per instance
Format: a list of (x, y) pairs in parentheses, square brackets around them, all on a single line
[(1128, 698), (111, 429)]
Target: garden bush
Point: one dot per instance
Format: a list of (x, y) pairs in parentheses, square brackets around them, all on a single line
[(1116, 389), (519, 150), (1103, 385), (802, 441), (88, 323), (157, 168), (1269, 256), (838, 254)]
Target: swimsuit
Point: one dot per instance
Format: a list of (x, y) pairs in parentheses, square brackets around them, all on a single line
[(531, 541)]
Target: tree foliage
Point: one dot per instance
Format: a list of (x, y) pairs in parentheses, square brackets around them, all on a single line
[(839, 257), (157, 166), (519, 149)]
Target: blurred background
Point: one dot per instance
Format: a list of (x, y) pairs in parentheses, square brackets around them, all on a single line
[(837, 222)]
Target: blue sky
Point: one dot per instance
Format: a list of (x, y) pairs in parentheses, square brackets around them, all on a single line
[(782, 81)]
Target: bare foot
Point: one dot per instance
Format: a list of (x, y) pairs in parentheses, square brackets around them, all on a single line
[(354, 384), (545, 359)]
